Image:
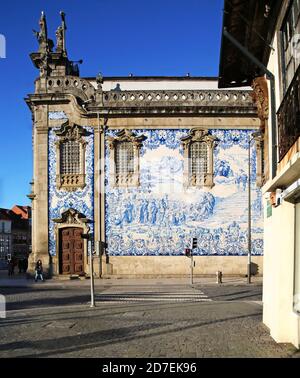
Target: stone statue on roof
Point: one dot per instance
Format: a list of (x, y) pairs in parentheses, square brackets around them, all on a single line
[(59, 39), (45, 44), (60, 35)]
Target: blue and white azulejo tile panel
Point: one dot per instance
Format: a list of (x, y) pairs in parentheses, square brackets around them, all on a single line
[(160, 217), (60, 200), (57, 115)]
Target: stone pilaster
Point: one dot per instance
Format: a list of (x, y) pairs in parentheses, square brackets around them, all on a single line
[(40, 201)]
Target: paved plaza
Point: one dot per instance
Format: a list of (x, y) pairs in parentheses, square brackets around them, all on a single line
[(136, 318)]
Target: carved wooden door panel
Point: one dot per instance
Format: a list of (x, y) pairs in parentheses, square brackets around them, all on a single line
[(71, 251), (78, 251)]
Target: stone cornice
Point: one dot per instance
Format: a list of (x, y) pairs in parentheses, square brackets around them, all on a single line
[(55, 99), (74, 85), (155, 102), (175, 98), (171, 102)]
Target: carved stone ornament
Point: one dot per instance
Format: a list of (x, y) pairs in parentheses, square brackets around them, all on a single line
[(69, 131), (198, 135), (261, 98), (131, 179), (70, 181), (71, 216)]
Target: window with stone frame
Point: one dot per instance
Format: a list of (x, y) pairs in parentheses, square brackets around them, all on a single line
[(198, 158), (124, 158), (70, 150), (70, 157), (198, 161)]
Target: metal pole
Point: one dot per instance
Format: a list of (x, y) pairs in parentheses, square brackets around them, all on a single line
[(192, 268), (91, 274), (99, 198), (249, 214)]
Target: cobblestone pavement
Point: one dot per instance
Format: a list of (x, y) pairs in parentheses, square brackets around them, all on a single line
[(152, 320)]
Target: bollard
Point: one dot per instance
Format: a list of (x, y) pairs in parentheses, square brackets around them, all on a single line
[(219, 277)]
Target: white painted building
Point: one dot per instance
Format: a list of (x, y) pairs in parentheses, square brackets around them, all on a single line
[(271, 33)]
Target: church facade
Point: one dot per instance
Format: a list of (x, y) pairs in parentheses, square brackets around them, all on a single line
[(142, 165)]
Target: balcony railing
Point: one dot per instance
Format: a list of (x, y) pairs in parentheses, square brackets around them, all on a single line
[(289, 117)]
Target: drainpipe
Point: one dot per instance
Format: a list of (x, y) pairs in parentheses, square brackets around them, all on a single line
[(99, 246), (271, 77)]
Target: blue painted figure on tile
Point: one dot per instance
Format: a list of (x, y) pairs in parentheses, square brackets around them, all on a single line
[(161, 215)]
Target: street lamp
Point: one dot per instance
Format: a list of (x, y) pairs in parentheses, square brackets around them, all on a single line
[(253, 137), (88, 237)]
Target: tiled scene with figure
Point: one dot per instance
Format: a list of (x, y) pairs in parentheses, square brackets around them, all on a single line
[(161, 216)]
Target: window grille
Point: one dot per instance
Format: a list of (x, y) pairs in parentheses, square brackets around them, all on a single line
[(124, 158), (198, 160), (70, 157)]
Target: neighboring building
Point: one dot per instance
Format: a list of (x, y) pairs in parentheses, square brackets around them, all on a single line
[(21, 231), (5, 235), (15, 232), (144, 164), (258, 25)]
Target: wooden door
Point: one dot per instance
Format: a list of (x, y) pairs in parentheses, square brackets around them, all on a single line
[(71, 251)]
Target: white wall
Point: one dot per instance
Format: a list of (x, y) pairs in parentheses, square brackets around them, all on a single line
[(161, 84), (278, 285), (279, 244)]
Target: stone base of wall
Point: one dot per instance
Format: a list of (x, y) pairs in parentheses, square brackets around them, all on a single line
[(179, 266), (161, 266)]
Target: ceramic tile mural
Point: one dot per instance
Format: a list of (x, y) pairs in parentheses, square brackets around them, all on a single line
[(61, 200), (57, 115), (160, 217)]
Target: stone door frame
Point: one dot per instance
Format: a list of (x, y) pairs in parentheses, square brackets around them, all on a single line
[(70, 218)]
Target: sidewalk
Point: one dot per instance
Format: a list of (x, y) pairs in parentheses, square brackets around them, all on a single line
[(20, 280)]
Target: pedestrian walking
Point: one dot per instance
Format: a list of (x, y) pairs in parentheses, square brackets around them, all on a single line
[(25, 265), (39, 271), (10, 268)]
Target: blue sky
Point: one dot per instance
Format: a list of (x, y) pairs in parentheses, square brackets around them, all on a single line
[(115, 37)]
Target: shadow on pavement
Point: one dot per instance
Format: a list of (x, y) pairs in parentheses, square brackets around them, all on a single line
[(96, 339)]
